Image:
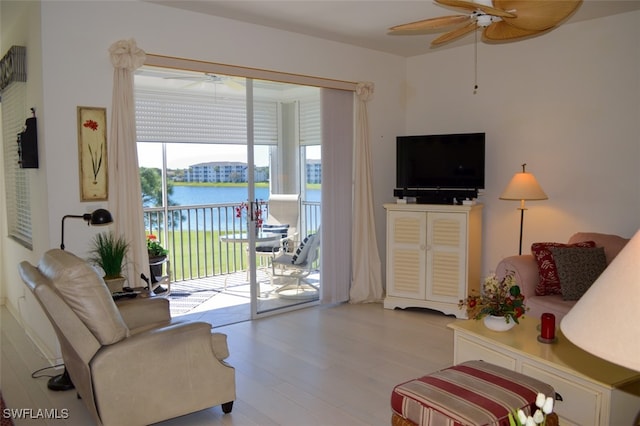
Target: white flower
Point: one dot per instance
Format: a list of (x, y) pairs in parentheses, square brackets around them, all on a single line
[(538, 417), (547, 408), (530, 422), (522, 418), (540, 399)]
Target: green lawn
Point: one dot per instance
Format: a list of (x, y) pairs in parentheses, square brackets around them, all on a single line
[(196, 254)]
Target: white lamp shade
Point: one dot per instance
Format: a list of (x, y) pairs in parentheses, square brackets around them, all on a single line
[(523, 186), (604, 321)]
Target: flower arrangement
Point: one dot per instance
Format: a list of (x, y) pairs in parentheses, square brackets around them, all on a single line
[(257, 212), (154, 247), (545, 407), (499, 298)]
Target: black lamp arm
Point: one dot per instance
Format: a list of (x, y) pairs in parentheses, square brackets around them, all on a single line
[(86, 216)]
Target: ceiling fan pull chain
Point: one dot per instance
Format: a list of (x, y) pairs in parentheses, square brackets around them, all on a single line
[(475, 63)]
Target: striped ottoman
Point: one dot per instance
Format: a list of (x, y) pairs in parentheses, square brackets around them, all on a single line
[(472, 393)]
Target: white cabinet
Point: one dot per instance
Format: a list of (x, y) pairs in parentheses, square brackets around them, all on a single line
[(433, 255)]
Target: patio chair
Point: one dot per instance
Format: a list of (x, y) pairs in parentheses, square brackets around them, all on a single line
[(284, 212), (294, 269)]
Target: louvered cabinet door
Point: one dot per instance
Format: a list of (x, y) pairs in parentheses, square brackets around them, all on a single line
[(406, 237), (433, 256), (446, 256)]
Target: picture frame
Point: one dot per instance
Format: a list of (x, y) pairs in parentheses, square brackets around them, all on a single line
[(92, 153)]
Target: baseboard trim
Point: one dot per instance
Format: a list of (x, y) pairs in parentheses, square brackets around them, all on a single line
[(49, 355)]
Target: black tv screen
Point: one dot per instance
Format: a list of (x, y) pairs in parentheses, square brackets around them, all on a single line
[(454, 161)]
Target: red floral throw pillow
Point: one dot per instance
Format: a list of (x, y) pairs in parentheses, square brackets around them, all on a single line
[(549, 281)]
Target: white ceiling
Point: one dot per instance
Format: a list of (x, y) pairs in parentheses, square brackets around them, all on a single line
[(363, 23)]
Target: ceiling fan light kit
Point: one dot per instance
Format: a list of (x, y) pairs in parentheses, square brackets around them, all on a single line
[(501, 20)]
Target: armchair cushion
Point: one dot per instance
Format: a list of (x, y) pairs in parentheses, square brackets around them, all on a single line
[(282, 229), (86, 293), (549, 282), (300, 256), (269, 247), (578, 268), (145, 313)]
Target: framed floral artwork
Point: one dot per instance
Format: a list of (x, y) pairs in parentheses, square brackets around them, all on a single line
[(92, 153)]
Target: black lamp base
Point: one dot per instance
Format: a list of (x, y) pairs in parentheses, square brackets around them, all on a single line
[(61, 382)]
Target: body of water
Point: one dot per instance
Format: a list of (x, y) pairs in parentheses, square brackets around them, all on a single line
[(198, 195), (219, 219)]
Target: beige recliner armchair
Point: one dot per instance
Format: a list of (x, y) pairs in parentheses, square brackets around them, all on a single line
[(130, 363)]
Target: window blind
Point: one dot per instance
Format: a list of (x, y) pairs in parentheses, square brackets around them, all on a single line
[(16, 179), (310, 127), (172, 116)]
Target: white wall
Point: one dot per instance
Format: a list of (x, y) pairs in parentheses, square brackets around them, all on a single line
[(567, 103), (76, 71), (20, 23)]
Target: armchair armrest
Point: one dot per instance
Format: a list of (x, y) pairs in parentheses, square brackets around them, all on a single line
[(142, 312), (153, 365), (525, 268)]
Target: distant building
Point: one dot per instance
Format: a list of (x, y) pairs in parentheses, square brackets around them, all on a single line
[(226, 172), (314, 171), (220, 171)]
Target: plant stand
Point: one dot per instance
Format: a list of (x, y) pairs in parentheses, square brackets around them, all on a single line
[(158, 278)]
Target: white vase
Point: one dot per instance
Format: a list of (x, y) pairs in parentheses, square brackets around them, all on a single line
[(498, 323)]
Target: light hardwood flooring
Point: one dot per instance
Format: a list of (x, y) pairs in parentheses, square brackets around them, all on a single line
[(323, 365)]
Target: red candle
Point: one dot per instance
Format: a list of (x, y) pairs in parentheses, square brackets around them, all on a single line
[(548, 326)]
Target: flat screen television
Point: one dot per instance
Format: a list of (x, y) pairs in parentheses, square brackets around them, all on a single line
[(453, 161)]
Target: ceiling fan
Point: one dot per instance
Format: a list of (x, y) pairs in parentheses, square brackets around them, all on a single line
[(228, 81), (500, 19)]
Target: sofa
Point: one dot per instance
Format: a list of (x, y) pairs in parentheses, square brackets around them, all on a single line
[(574, 265), (130, 362)]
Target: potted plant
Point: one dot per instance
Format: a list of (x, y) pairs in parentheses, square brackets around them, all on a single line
[(157, 257), (500, 304), (109, 252)]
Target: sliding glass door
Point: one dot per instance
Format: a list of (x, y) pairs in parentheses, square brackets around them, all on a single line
[(230, 173), (288, 251)]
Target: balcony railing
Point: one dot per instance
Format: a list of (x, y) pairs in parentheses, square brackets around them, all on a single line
[(192, 236)]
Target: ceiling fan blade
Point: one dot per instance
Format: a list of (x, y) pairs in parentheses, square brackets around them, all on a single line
[(429, 24), (469, 5), (458, 32), (537, 14), (233, 83), (503, 31)]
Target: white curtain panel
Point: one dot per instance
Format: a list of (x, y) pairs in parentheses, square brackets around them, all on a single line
[(125, 201), (337, 175), (366, 284)]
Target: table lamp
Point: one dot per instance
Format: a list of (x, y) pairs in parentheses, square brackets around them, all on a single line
[(603, 322), (523, 187)]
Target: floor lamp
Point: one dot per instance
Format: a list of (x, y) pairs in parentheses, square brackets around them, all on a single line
[(62, 381), (523, 187)]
